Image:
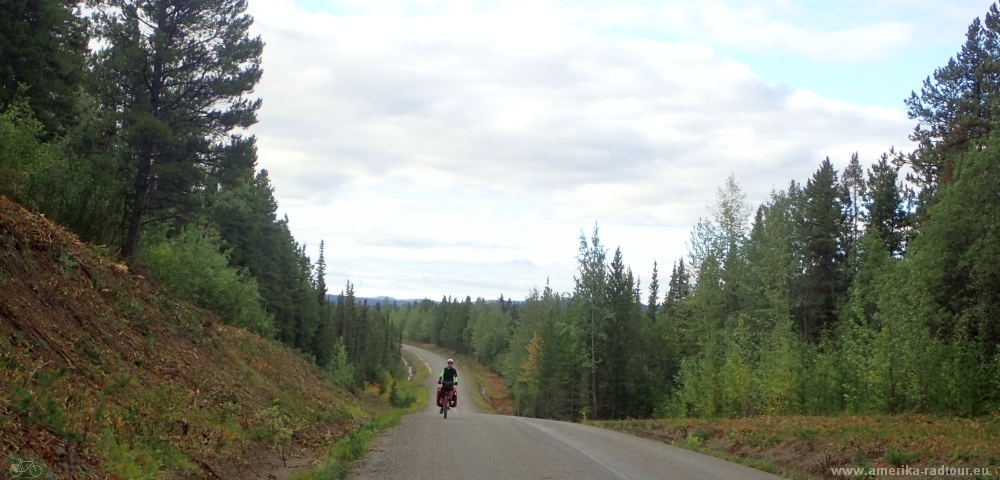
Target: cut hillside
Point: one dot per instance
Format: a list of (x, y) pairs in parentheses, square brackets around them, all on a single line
[(102, 375)]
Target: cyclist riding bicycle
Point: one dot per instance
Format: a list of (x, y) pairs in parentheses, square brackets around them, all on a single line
[(448, 380)]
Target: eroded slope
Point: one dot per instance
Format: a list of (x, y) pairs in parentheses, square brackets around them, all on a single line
[(104, 375)]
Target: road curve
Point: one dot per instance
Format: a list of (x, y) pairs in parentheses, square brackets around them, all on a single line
[(473, 445)]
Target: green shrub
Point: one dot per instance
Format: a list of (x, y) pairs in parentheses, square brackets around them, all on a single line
[(336, 464), (898, 458), (276, 428), (193, 266), (22, 151), (398, 400), (125, 460), (806, 434), (39, 407), (74, 190), (703, 434), (340, 367)]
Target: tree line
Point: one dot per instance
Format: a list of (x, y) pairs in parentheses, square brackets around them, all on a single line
[(874, 289), (127, 126)]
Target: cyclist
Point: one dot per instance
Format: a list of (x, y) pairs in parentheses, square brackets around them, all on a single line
[(448, 380)]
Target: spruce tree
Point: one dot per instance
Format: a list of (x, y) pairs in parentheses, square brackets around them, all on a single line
[(678, 288), (731, 228), (654, 296), (887, 215), (320, 277), (622, 332), (853, 199), (322, 343), (824, 256), (591, 314)]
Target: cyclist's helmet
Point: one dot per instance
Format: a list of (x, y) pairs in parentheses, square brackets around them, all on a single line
[(450, 361)]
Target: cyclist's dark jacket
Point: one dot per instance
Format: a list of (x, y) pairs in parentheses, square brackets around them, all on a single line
[(449, 374)]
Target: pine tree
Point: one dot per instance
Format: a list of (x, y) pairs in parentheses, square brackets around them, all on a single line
[(178, 73), (958, 108)]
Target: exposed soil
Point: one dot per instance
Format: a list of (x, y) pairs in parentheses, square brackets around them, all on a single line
[(102, 372)]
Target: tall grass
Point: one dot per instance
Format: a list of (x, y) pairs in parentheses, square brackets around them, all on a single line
[(335, 465)]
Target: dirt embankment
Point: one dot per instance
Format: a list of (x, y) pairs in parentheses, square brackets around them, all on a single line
[(103, 375)]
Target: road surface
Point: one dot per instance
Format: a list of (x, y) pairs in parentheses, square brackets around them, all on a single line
[(472, 445)]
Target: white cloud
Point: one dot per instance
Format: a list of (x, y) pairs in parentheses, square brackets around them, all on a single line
[(462, 152), (755, 28)]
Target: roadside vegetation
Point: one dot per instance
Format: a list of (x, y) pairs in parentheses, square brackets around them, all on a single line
[(809, 446), (404, 395), (490, 395), (414, 387)]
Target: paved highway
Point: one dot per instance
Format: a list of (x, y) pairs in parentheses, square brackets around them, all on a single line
[(473, 445)]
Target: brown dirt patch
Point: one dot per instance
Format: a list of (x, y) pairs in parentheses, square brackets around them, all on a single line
[(100, 369)]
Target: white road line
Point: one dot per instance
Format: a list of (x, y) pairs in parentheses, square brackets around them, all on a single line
[(425, 363)]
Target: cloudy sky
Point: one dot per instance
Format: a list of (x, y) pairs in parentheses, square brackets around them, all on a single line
[(460, 147)]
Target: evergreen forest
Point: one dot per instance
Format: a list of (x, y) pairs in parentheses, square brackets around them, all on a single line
[(874, 289), (126, 123), (871, 289)]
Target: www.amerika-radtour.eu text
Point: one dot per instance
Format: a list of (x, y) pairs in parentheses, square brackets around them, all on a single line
[(905, 470)]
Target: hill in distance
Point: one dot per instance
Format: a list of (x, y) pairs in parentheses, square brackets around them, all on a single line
[(384, 300), (387, 300)]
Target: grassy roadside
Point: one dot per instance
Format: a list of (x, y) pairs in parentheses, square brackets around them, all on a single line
[(335, 464), (409, 396), (415, 385), (809, 447), (492, 396)]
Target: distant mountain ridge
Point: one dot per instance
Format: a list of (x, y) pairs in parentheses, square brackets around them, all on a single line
[(387, 300)]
